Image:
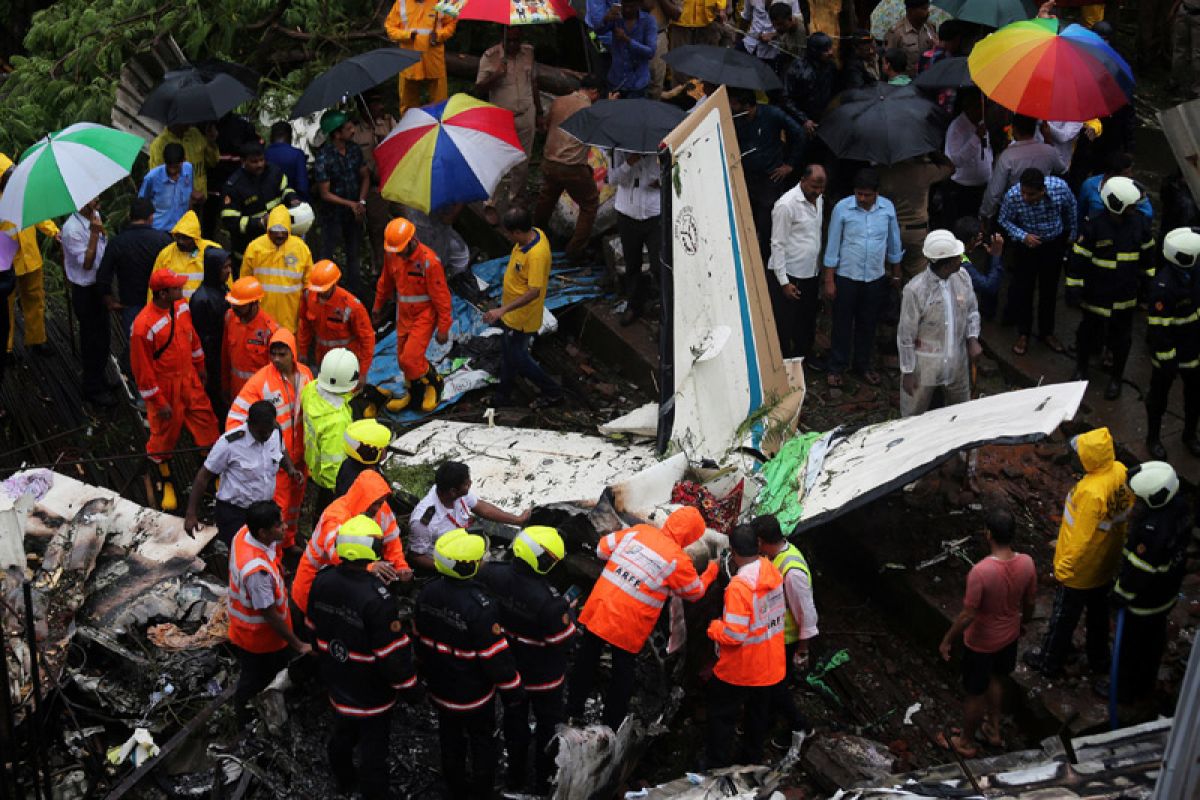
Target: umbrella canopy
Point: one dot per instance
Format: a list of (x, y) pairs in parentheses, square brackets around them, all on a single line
[(191, 95), (509, 12), (949, 73), (882, 124), (992, 13), (636, 126), (62, 172), (889, 12), (1032, 69), (455, 151), (723, 65), (353, 76)]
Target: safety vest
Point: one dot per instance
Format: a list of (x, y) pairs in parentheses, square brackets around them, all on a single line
[(268, 384), (324, 428), (749, 634), (248, 627), (786, 560)]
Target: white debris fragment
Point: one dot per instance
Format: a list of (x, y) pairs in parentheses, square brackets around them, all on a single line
[(908, 714), (140, 746)]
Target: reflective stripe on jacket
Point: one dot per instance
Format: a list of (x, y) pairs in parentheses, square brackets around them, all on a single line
[(324, 427), (749, 634), (282, 271), (786, 560), (268, 384), (248, 627), (340, 321), (1095, 517), (177, 347), (245, 349)]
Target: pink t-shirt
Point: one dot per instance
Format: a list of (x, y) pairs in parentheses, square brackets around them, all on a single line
[(996, 590)]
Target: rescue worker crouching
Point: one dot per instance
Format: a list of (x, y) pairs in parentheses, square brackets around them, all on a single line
[(247, 337), (325, 404), (364, 655), (463, 659), (413, 276), (1173, 338), (538, 623)]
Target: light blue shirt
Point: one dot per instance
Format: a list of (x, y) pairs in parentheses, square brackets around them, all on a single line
[(859, 240), (1092, 205), (171, 198)]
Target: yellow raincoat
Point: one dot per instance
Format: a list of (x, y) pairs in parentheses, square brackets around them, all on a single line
[(189, 264), (202, 154), (30, 288), (1095, 518), (282, 271)]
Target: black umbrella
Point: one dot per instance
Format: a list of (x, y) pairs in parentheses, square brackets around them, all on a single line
[(353, 76), (992, 13), (882, 124), (949, 73), (723, 65), (240, 72), (190, 95), (637, 126)]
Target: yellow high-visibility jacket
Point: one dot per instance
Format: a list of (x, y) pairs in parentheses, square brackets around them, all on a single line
[(1095, 517), (282, 271)]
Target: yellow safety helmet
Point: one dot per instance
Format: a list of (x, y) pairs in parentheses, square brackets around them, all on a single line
[(366, 440), (540, 547), (359, 539), (458, 554)]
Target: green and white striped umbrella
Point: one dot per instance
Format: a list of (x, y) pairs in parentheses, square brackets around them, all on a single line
[(62, 172)]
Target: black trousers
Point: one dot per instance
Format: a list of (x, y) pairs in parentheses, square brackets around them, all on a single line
[(1142, 646), (549, 709), (229, 519), (462, 733), (583, 678), (636, 234), (783, 705), (255, 672), (725, 703), (1069, 605), (93, 336), (371, 737), (1161, 379), (796, 320), (856, 309), (962, 201), (1115, 332), (1035, 270)]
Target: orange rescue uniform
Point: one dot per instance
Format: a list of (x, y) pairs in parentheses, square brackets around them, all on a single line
[(268, 384), (248, 626), (245, 349), (422, 305), (167, 359), (749, 634), (340, 321)]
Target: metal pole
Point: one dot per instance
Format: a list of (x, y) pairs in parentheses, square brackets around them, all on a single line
[(41, 782)]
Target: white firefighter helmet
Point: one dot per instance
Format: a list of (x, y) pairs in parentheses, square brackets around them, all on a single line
[(302, 219), (339, 371)]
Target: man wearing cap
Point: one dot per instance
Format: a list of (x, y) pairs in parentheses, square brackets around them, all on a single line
[(342, 180), (168, 366), (332, 317), (938, 332), (247, 339), (913, 34), (281, 261)]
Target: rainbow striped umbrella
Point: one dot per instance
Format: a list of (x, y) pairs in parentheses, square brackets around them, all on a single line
[(455, 151), (1031, 68)]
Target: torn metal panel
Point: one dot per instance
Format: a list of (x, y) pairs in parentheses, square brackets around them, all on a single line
[(642, 421), (1181, 126), (845, 470)]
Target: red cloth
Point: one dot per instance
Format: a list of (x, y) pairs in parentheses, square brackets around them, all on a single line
[(720, 514), (996, 590)]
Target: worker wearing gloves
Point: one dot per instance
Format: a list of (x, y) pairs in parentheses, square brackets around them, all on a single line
[(364, 656), (281, 262), (367, 497), (260, 627), (1086, 557), (1154, 563), (1111, 259), (280, 382), (751, 657), (365, 443), (418, 25), (27, 267), (332, 317), (539, 625), (938, 332), (168, 367), (325, 404), (1173, 338), (247, 337), (413, 276), (464, 659), (646, 566), (186, 256)]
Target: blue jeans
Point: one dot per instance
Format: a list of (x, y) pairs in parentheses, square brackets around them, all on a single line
[(340, 227), (856, 310), (515, 360)]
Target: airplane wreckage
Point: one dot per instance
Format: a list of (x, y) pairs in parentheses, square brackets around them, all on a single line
[(82, 564)]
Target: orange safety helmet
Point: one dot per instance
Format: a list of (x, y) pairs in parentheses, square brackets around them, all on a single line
[(398, 234), (245, 291), (324, 276)]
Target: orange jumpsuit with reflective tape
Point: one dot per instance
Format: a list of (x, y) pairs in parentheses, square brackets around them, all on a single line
[(167, 360), (422, 305), (340, 321), (245, 349), (268, 384)]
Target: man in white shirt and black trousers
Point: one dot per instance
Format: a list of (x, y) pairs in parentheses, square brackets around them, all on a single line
[(636, 177), (795, 249), (83, 243)]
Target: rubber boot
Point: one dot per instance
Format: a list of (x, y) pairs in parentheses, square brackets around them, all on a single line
[(433, 390), (397, 404), (1153, 439), (166, 488)]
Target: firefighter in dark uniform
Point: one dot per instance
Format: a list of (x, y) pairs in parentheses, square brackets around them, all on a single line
[(1113, 257), (1153, 566), (365, 658), (539, 626), (1173, 338), (464, 659), (251, 192)]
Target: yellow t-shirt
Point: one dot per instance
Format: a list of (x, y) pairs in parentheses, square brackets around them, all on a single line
[(528, 267)]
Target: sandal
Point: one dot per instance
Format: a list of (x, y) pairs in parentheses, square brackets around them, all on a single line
[(1021, 345), (1053, 344), (949, 744)]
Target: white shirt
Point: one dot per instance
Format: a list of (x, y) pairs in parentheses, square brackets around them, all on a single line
[(260, 586), (1065, 134), (430, 519), (638, 194), (760, 22), (795, 236), (247, 466), (797, 592), (76, 232), (972, 158)]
